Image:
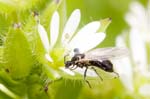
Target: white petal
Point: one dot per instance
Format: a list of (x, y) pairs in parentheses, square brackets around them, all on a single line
[(131, 19), (48, 58), (124, 68), (138, 10), (44, 37), (89, 73), (137, 15), (52, 71), (138, 49), (145, 90), (120, 42), (71, 25), (146, 73), (68, 71), (86, 42), (54, 28), (91, 27)]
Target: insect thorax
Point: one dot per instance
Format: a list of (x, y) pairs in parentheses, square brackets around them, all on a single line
[(77, 57)]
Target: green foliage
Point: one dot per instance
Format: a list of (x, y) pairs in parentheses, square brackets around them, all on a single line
[(67, 89), (17, 54)]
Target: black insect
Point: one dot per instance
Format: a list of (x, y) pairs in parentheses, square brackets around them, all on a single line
[(96, 58)]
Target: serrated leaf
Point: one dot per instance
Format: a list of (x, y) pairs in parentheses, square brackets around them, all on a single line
[(17, 54), (35, 92), (64, 89)]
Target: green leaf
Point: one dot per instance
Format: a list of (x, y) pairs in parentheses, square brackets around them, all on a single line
[(11, 85), (17, 54), (36, 91), (51, 73), (65, 89), (4, 96), (1, 55), (6, 6)]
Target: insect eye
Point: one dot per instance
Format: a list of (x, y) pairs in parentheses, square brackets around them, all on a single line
[(68, 63), (76, 50)]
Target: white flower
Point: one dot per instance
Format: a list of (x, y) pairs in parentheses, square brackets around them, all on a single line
[(140, 43), (136, 65), (124, 67), (145, 90), (138, 20), (84, 39)]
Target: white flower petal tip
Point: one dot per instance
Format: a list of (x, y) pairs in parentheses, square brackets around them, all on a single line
[(48, 58), (54, 28), (89, 73), (76, 11), (71, 25), (87, 42), (44, 38), (68, 71), (91, 27), (145, 90)]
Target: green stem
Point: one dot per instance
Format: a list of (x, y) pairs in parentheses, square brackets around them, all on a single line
[(8, 92)]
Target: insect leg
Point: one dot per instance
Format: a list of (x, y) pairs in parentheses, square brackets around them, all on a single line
[(71, 66), (74, 67), (85, 77), (47, 82), (117, 75), (65, 57), (97, 73)]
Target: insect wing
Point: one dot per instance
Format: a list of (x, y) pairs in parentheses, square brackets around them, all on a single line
[(107, 53)]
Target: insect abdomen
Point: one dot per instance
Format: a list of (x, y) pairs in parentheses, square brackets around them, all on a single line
[(96, 63), (106, 65)]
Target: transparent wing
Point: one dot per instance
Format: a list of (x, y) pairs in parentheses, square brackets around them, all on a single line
[(107, 53)]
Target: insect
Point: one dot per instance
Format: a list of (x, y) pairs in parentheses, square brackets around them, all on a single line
[(99, 58)]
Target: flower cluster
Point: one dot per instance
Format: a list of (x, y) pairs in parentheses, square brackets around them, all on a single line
[(134, 70), (84, 39)]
